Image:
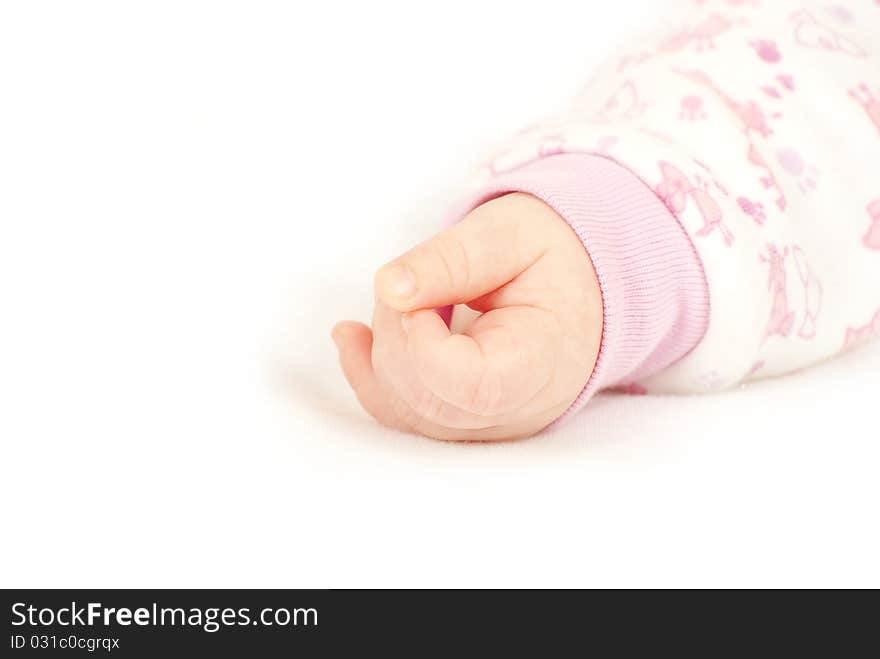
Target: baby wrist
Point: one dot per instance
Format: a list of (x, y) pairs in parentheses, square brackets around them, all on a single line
[(654, 292)]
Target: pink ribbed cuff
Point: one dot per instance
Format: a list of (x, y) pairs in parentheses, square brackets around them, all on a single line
[(654, 292)]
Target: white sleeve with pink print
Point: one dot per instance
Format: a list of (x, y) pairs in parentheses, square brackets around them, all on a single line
[(757, 122)]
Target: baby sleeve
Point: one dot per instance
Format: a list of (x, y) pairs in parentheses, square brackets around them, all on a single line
[(724, 178)]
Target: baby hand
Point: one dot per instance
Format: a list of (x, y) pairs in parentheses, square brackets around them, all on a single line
[(515, 368)]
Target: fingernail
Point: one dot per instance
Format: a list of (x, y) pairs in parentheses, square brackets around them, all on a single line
[(401, 282)]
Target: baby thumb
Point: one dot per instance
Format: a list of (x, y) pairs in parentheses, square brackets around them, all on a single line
[(481, 253)]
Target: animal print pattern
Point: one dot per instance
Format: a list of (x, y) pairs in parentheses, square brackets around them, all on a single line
[(757, 122)]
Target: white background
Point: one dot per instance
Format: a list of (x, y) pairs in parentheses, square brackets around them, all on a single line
[(192, 193)]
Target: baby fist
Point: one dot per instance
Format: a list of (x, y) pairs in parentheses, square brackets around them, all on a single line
[(514, 369)]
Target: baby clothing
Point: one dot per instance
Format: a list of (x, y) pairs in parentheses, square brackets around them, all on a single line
[(724, 178)]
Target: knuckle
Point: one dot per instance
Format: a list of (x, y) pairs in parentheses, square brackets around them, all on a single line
[(486, 394), (454, 259), (428, 406)]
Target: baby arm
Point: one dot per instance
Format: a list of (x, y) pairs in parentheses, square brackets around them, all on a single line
[(716, 190), (584, 280)]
